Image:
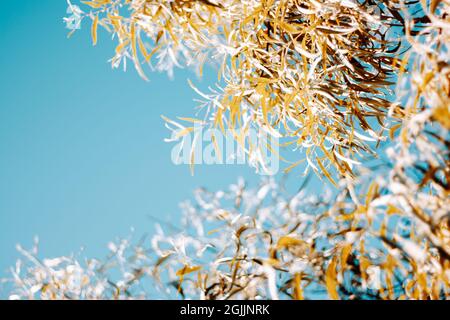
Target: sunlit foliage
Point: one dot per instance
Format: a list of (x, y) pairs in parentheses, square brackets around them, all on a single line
[(317, 73), (246, 243)]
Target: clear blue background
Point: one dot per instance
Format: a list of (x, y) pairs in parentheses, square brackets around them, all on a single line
[(82, 156)]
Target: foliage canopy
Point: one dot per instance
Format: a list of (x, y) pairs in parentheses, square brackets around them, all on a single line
[(333, 77)]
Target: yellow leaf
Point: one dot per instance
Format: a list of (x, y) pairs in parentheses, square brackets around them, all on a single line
[(285, 242), (331, 280), (372, 192), (392, 209), (187, 269), (326, 173), (393, 129), (184, 132), (94, 30), (193, 120), (298, 291)]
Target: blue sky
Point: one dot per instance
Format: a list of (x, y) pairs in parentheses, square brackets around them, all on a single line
[(82, 156)]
